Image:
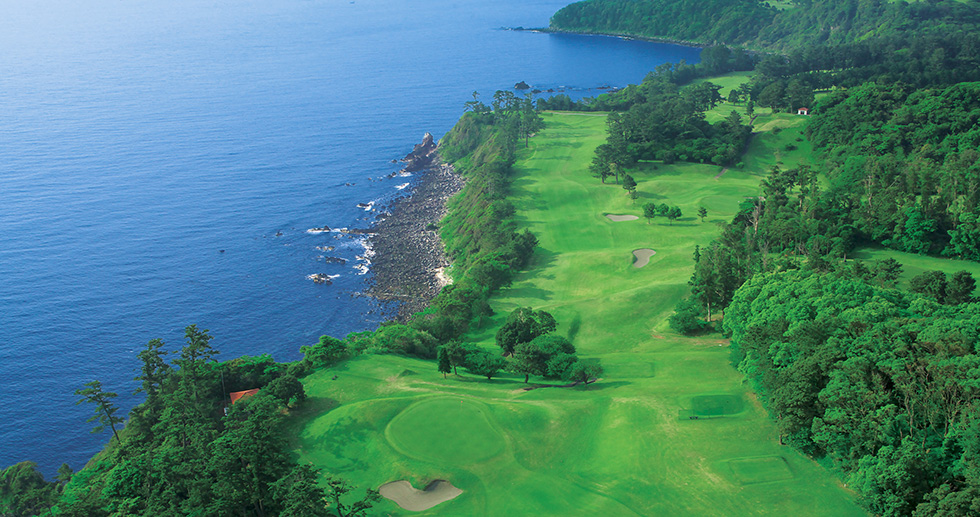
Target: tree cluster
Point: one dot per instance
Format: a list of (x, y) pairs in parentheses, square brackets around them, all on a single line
[(528, 338), (882, 383), (672, 213), (186, 451)]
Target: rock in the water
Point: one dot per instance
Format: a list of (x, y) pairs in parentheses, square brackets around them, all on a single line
[(522, 86), (320, 278)]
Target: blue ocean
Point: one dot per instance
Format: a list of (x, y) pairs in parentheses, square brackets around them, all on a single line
[(161, 164)]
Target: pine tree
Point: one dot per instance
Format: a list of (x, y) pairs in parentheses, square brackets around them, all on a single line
[(444, 365)]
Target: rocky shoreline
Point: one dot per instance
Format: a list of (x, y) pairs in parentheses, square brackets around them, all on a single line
[(408, 256)]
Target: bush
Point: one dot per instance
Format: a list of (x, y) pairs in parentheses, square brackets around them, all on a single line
[(687, 318)]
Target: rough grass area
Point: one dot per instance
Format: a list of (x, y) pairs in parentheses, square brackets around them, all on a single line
[(615, 447)]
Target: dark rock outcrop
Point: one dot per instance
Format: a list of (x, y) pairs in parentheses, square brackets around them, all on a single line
[(422, 156)]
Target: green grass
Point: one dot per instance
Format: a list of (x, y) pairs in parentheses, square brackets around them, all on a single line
[(616, 447), (913, 264), (422, 431), (766, 469), (728, 81)]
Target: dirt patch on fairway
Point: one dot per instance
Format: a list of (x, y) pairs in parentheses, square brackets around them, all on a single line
[(619, 218), (410, 498), (642, 257)]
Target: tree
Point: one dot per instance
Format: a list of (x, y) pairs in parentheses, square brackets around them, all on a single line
[(930, 283), (325, 352), (585, 372), (534, 358), (885, 272), (673, 214), (629, 184), (23, 491), (687, 318), (65, 474), (457, 352), (299, 494), (649, 211), (772, 96), (960, 288), (338, 488), (445, 366), (481, 362), (702, 213), (153, 370), (195, 356), (799, 94), (286, 389), (105, 410), (523, 325), (530, 120), (475, 105), (733, 96)]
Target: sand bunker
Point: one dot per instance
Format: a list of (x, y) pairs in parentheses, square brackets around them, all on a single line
[(618, 218), (408, 497), (642, 257)]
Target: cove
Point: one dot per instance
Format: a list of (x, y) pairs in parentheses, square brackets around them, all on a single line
[(161, 164)]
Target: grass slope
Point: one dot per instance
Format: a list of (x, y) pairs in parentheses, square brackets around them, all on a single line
[(623, 446), (913, 264)]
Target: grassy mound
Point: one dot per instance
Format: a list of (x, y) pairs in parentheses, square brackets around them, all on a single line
[(445, 430)]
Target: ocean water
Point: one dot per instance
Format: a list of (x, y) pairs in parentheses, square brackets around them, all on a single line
[(161, 163)]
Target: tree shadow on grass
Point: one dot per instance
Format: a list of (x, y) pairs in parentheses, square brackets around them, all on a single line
[(475, 379), (600, 385), (307, 410), (648, 195), (536, 293), (542, 258)]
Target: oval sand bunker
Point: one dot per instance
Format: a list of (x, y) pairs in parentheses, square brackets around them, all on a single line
[(446, 430), (618, 218), (410, 498), (642, 257)]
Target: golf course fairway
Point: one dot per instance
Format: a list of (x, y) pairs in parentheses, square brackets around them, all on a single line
[(671, 428)]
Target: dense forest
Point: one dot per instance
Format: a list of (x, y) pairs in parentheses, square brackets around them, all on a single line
[(882, 383)]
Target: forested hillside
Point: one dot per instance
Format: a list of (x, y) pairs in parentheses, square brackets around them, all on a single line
[(882, 383), (757, 25)]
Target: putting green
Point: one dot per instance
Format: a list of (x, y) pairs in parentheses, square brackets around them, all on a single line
[(716, 405), (445, 430)]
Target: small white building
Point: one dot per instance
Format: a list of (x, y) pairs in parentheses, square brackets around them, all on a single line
[(803, 111)]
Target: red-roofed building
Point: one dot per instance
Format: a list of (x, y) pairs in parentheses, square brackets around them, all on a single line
[(238, 395), (803, 111)]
